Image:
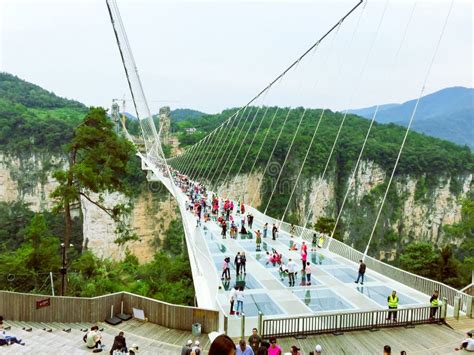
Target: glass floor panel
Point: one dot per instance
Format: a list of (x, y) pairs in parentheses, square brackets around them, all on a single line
[(322, 300), (250, 246), (216, 248), (319, 259), (299, 280), (379, 294), (346, 274), (260, 302), (248, 282)]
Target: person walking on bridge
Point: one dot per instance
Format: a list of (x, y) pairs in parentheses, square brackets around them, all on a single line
[(392, 306), (238, 263), (362, 268), (243, 268), (304, 258), (265, 230), (314, 242), (232, 299), (274, 231), (225, 269), (250, 220), (224, 229), (434, 301), (240, 301), (258, 239), (292, 269)]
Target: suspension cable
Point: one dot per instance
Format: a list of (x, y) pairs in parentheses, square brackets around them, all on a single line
[(408, 127), (350, 44), (352, 177), (221, 167), (313, 136), (300, 57)]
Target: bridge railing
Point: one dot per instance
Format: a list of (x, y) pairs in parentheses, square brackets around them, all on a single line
[(341, 322), (417, 282)]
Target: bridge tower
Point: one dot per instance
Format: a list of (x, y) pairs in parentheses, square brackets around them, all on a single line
[(165, 123), (115, 114)]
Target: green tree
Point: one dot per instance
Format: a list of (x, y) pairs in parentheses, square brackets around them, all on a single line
[(98, 160), (28, 266), (420, 258)]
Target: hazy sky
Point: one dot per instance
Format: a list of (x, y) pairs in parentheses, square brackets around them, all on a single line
[(213, 55)]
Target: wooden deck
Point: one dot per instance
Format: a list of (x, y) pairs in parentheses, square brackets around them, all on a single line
[(157, 340), (151, 338), (424, 339)]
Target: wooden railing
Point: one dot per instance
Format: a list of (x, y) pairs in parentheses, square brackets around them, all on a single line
[(417, 282), (342, 322), (23, 307)]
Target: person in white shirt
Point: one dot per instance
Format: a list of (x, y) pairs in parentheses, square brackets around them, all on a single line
[(240, 301), (467, 344), (292, 270), (232, 297)]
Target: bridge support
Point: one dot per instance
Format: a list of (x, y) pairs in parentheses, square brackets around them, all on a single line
[(457, 307), (444, 309), (260, 322), (469, 314)]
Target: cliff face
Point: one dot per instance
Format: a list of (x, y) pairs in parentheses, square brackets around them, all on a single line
[(29, 179), (412, 209)]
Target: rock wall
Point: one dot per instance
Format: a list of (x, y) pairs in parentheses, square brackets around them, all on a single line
[(28, 179), (421, 219), (150, 218)]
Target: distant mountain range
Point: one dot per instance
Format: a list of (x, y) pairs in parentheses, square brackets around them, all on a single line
[(446, 114)]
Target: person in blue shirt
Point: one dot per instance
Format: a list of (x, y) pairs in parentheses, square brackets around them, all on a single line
[(244, 349)]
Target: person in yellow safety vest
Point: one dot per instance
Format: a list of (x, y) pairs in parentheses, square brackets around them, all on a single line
[(434, 301), (392, 304)]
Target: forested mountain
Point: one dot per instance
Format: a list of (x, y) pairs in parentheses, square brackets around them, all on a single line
[(32, 118), (185, 114), (446, 114)]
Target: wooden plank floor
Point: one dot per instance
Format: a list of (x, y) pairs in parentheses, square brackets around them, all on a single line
[(156, 340), (151, 338), (424, 339), (463, 324)]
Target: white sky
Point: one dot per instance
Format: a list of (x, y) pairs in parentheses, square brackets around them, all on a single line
[(214, 55)]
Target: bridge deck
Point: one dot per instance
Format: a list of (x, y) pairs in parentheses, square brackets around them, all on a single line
[(332, 288)]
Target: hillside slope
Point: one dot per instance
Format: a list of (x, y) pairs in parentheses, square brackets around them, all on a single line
[(446, 114)]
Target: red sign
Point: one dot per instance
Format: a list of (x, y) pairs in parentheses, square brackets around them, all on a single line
[(43, 303)]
